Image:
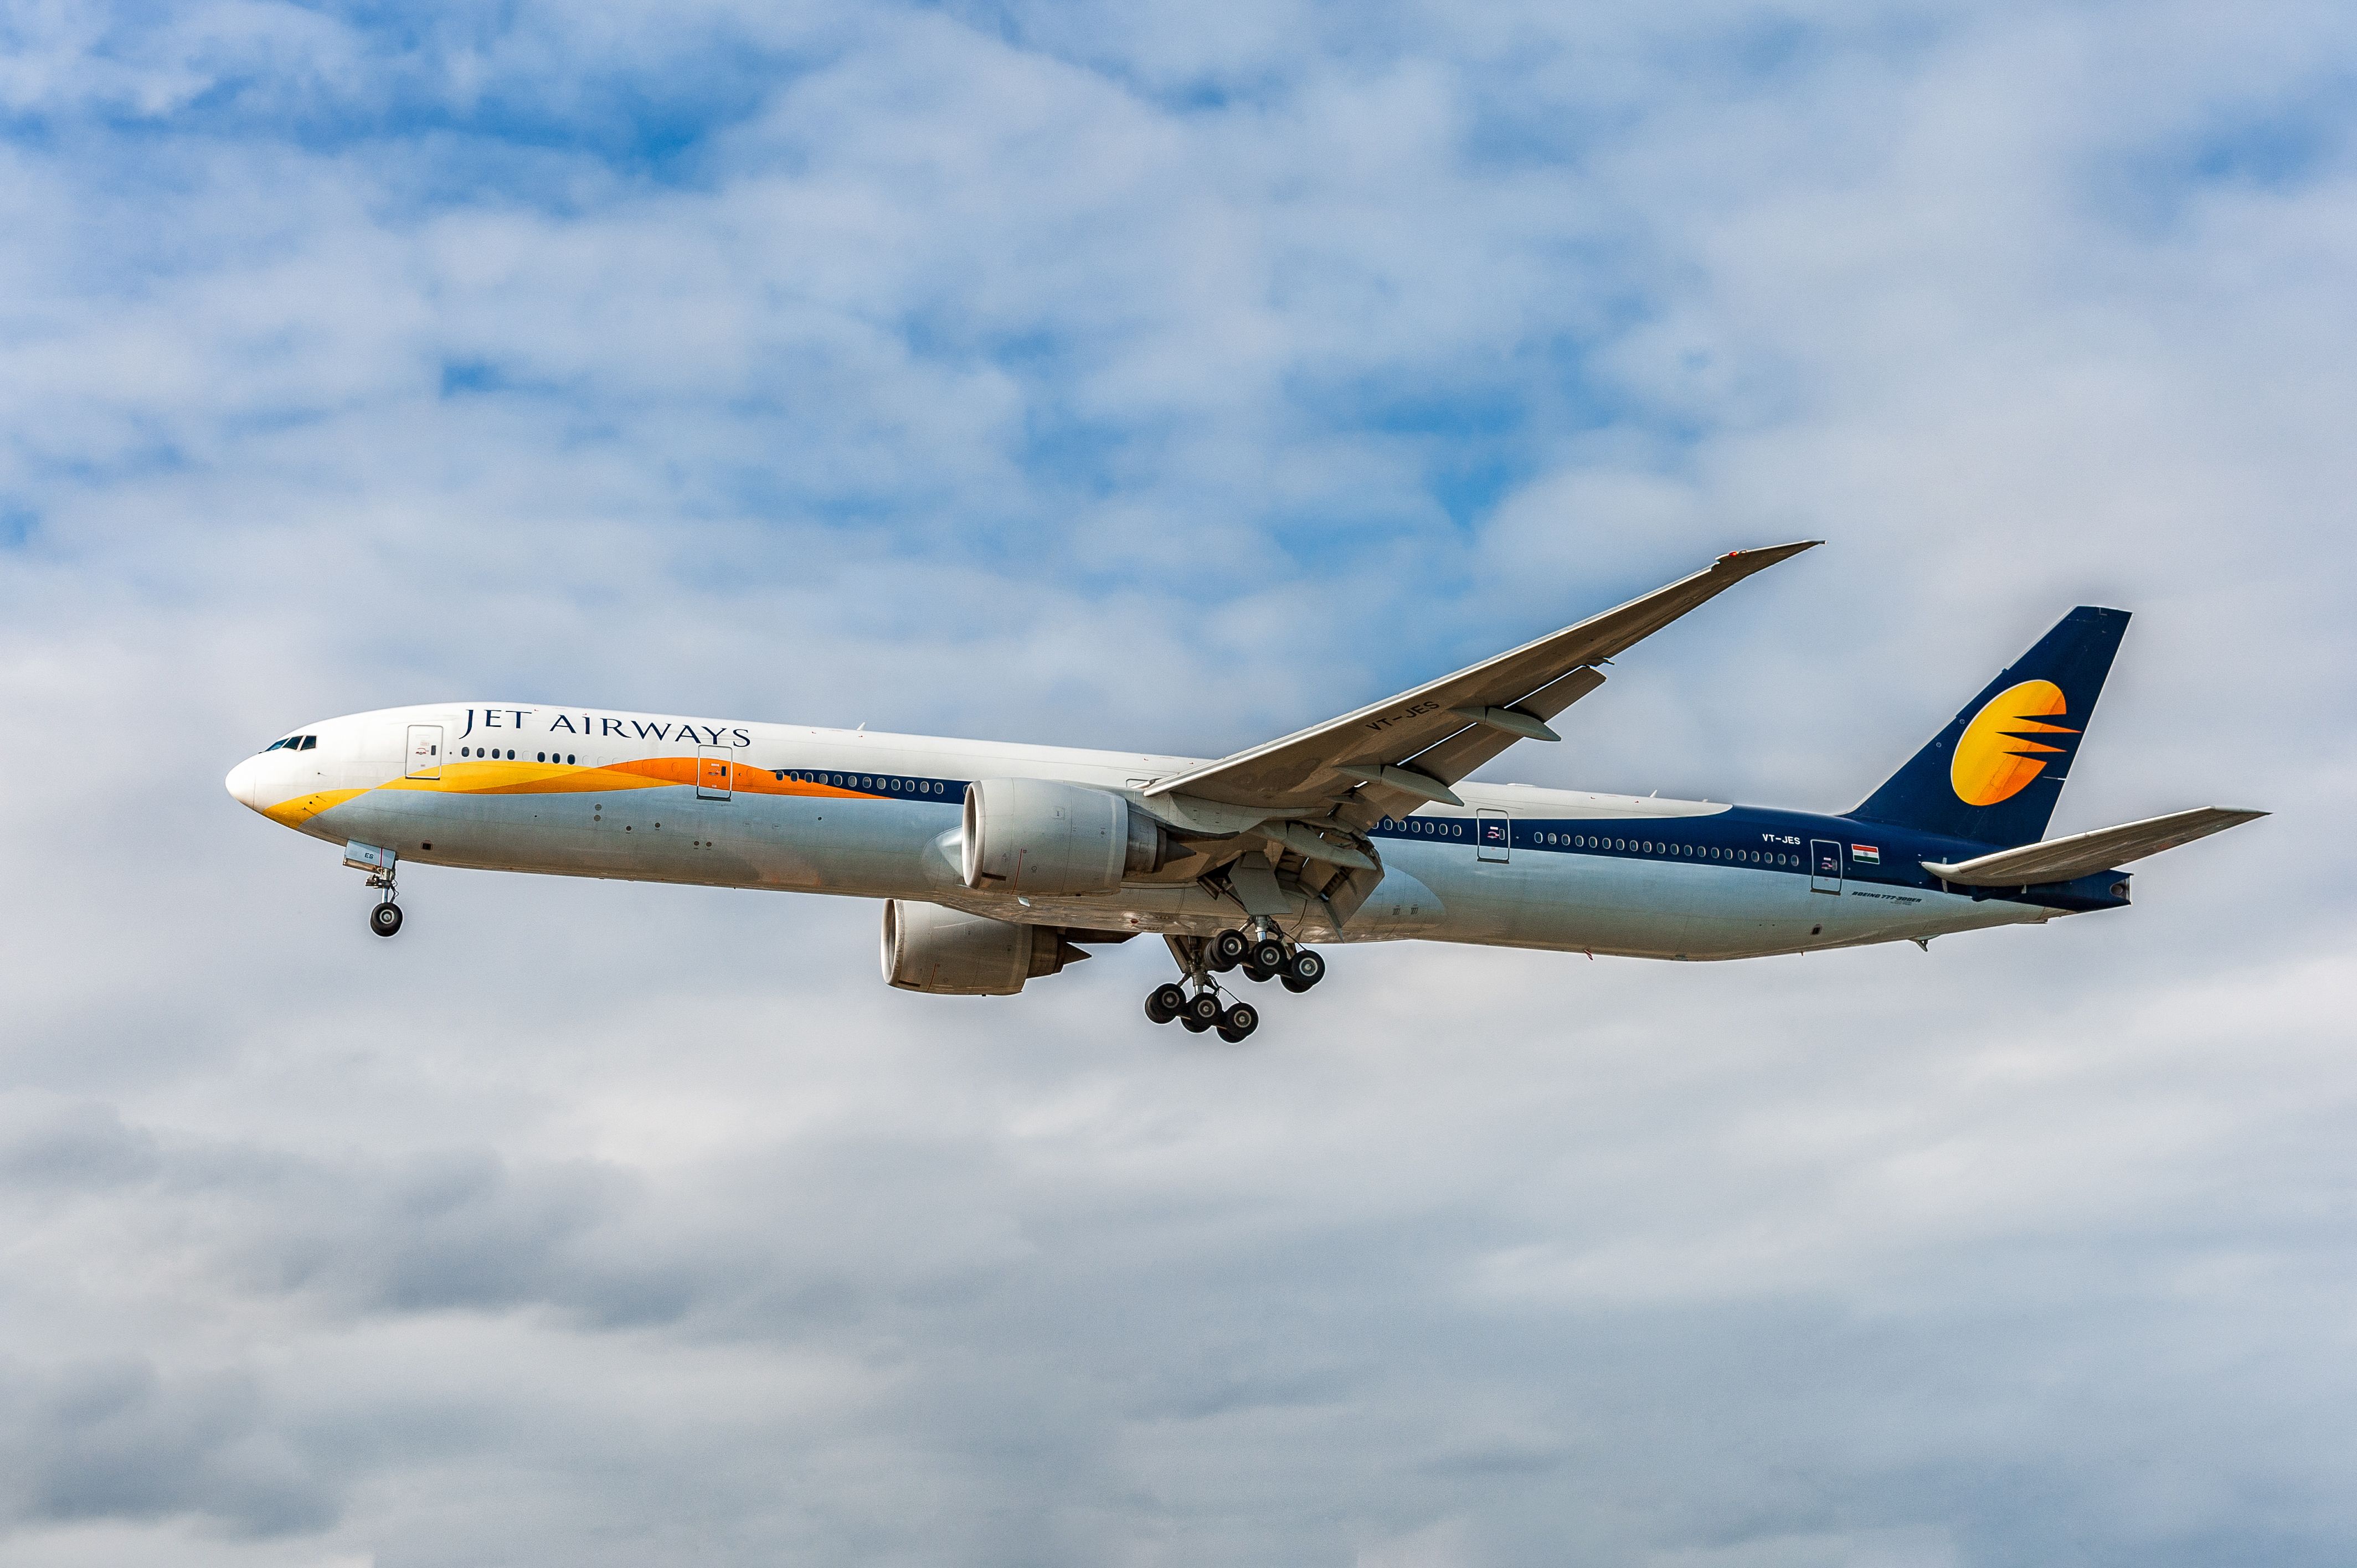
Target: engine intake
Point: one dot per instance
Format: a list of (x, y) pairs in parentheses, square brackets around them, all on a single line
[(1035, 836), (949, 953)]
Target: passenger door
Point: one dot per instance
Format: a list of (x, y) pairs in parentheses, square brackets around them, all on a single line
[(422, 759), (715, 773), (1496, 830), (1825, 865)]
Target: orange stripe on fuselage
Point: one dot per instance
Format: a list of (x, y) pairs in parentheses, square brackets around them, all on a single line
[(503, 777)]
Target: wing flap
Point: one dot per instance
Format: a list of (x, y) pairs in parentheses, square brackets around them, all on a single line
[(2080, 855)]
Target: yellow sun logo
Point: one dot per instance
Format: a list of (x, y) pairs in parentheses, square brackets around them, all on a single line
[(1995, 759)]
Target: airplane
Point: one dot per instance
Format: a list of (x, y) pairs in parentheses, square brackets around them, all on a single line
[(999, 864)]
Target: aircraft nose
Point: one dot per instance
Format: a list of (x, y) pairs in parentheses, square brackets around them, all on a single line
[(241, 781)]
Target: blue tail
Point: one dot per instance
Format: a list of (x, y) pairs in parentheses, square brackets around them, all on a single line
[(1995, 774)]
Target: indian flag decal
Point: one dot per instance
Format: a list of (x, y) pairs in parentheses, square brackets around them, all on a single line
[(1866, 853)]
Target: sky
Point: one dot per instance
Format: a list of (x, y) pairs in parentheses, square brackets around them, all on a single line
[(1169, 378)]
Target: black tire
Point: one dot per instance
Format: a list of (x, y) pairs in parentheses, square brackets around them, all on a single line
[(1202, 1010), (1194, 1026), (385, 919), (1232, 1036), (1306, 967), (1239, 1021), (1269, 955), (1166, 1004), (1226, 951), (1295, 986), (1253, 971)]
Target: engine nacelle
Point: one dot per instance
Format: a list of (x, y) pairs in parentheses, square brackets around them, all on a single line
[(1035, 836), (952, 953)]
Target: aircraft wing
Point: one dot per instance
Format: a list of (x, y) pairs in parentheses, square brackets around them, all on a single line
[(1408, 749), (2059, 860)]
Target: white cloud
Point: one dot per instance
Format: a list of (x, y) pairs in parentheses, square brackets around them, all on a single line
[(1128, 376)]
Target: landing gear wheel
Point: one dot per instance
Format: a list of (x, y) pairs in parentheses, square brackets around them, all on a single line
[(1295, 986), (1269, 955), (1194, 1026), (1227, 950), (385, 919), (1254, 971), (1166, 1004), (1202, 1011), (1306, 970), (1238, 1021)]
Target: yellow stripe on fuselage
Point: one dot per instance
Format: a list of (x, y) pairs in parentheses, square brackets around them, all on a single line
[(294, 813)]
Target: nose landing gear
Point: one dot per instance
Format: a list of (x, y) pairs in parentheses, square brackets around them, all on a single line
[(385, 919), (380, 865)]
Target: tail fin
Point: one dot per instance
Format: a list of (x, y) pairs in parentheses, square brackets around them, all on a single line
[(1994, 774)]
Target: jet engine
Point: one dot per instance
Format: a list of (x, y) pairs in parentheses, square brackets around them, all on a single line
[(1035, 836), (952, 953)]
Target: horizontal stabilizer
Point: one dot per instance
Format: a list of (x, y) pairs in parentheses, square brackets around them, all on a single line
[(2059, 860)]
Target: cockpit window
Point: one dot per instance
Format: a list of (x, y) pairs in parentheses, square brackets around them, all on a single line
[(310, 743)]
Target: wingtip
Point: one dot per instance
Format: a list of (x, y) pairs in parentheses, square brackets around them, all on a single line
[(1770, 554)]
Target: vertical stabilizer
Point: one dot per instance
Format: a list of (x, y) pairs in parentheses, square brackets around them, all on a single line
[(1995, 773)]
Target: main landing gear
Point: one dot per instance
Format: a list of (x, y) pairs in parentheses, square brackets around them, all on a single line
[(1262, 953), (1266, 957)]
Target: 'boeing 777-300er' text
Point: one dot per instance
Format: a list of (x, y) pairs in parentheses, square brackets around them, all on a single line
[(1000, 863)]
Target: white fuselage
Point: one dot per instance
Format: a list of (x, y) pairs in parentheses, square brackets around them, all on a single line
[(592, 792)]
